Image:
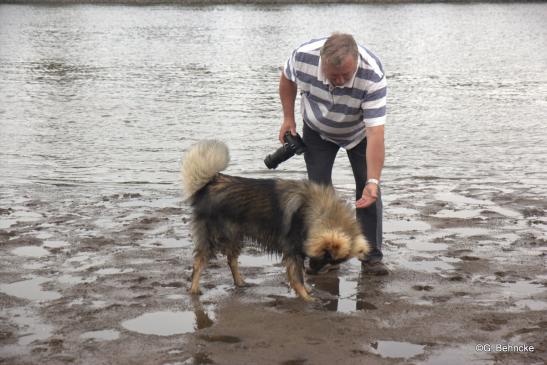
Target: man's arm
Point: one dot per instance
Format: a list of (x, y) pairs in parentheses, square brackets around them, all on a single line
[(287, 94), (375, 163)]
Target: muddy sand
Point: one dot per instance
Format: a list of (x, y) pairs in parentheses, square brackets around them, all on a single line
[(104, 281)]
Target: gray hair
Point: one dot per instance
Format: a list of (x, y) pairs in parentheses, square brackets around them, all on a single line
[(337, 47)]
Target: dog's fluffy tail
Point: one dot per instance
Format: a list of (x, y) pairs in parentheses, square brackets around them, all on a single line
[(201, 163)]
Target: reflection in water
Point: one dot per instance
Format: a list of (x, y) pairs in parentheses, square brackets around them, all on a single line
[(202, 316), (346, 295), (162, 323), (169, 323)]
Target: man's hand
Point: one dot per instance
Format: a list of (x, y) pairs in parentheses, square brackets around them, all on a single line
[(370, 194), (288, 125)]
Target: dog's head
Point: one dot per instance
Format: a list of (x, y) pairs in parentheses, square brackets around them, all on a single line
[(336, 245)]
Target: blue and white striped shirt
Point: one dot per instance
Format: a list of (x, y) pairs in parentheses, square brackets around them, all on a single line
[(339, 114)]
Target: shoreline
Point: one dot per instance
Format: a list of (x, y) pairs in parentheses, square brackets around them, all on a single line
[(252, 2)]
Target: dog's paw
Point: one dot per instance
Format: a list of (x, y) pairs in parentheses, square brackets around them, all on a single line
[(242, 284), (309, 299)]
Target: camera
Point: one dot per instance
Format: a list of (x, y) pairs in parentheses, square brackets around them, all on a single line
[(293, 145)]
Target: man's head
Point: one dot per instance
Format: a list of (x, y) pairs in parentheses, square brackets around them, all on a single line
[(339, 57)]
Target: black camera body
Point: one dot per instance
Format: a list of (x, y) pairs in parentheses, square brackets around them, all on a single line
[(293, 145)]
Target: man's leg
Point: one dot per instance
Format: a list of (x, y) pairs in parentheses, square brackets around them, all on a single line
[(319, 156), (369, 218)]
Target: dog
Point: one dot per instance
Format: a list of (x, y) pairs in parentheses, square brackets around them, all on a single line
[(294, 219)]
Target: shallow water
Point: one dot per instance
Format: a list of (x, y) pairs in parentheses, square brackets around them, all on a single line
[(98, 104)]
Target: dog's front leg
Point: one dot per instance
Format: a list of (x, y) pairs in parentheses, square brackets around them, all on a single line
[(295, 273), (234, 267)]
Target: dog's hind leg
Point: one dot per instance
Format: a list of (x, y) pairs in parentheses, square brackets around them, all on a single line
[(234, 266), (295, 273), (200, 261)]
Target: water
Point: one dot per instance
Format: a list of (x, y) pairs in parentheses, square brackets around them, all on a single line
[(100, 100), (164, 323), (396, 349)]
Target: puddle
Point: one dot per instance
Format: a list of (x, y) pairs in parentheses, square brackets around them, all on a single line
[(463, 214), (531, 305), (342, 290), (104, 335), (30, 251), (402, 211), (73, 280), (98, 304), (163, 323), (215, 292), (506, 212), (347, 301), (175, 297), (112, 271), (167, 243), (44, 235), (30, 289), (106, 223), (417, 245), (6, 223), (460, 199), (404, 226), (34, 265), (426, 266), (521, 289), (56, 244), (83, 262), (468, 231), (396, 349), (257, 261), (31, 326), (141, 262)]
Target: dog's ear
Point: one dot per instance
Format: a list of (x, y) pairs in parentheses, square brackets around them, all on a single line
[(331, 242)]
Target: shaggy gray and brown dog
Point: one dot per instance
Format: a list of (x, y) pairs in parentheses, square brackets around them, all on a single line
[(294, 219)]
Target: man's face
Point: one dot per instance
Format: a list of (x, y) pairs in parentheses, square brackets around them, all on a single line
[(339, 75)]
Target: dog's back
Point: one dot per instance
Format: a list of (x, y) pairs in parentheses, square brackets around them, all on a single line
[(236, 208)]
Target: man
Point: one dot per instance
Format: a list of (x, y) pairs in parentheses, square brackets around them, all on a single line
[(343, 105)]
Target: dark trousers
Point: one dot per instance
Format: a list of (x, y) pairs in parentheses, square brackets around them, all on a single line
[(319, 157)]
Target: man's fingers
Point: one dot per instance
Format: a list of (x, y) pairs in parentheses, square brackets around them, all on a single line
[(365, 202)]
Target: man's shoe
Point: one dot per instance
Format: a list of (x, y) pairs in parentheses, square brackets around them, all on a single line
[(374, 268)]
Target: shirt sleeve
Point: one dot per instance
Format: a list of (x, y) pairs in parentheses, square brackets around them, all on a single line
[(374, 103), (289, 69)]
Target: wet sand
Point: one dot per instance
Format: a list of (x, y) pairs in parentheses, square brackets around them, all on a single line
[(458, 278)]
